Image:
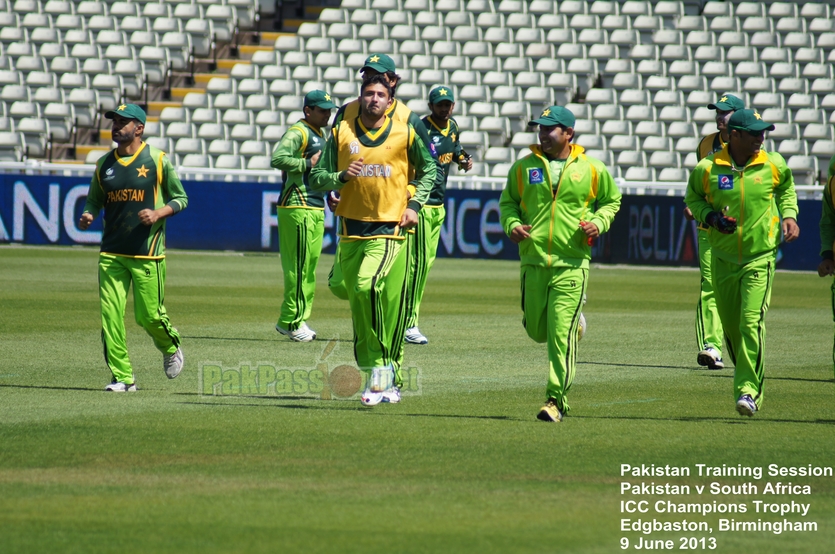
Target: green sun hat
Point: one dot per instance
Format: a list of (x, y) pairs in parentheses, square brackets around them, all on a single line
[(380, 63), (727, 103), (319, 99), (129, 111), (439, 94), (555, 115), (749, 120)]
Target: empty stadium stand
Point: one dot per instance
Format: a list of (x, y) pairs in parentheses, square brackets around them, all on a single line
[(221, 84)]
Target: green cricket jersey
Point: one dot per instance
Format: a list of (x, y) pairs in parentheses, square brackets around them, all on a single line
[(126, 186), (827, 222), (584, 191), (447, 148), (292, 155), (756, 195)]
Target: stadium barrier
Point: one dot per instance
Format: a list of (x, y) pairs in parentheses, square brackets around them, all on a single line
[(41, 204)]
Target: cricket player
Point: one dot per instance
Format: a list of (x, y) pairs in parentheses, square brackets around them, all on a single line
[(555, 201), (376, 64), (423, 242), (301, 215), (138, 189), (827, 232), (709, 332), (741, 192), (367, 158)]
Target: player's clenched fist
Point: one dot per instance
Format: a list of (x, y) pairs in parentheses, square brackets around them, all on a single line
[(354, 169), (85, 221), (826, 267), (520, 233)]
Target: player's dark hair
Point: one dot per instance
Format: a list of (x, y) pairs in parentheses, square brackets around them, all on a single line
[(378, 79)]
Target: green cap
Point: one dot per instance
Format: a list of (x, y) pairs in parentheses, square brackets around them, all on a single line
[(320, 99), (555, 115), (439, 94), (130, 111), (380, 63), (749, 120), (728, 103)]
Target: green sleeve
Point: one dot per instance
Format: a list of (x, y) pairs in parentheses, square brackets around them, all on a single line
[(784, 193), (510, 209), (325, 174), (426, 170), (421, 131), (173, 189), (95, 195), (827, 222), (695, 195), (608, 199), (286, 154), (456, 145)]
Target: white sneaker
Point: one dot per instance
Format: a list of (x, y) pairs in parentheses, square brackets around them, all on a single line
[(746, 406), (302, 334), (173, 363), (308, 329), (117, 386), (382, 379), (392, 396), (711, 358), (369, 398), (414, 336)]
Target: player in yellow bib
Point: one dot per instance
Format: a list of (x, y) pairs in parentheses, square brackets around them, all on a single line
[(367, 158)]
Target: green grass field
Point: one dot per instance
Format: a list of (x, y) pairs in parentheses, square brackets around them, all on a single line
[(463, 466)]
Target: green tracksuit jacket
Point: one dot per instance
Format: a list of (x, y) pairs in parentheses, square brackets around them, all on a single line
[(292, 156), (585, 192), (757, 197)]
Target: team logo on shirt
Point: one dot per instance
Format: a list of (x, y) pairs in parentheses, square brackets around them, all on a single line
[(726, 182), (354, 147), (535, 176), (109, 174)]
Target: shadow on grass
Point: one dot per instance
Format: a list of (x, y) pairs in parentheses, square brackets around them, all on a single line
[(344, 407), (275, 339), (611, 364), (42, 387), (699, 419), (730, 376)]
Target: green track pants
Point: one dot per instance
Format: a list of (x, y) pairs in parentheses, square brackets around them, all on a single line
[(300, 233), (375, 279), (743, 293), (552, 299), (708, 324), (116, 273), (423, 246)]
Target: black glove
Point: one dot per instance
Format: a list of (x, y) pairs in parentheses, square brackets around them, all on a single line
[(722, 223)]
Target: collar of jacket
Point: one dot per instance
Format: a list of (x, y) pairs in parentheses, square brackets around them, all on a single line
[(576, 150), (723, 157)]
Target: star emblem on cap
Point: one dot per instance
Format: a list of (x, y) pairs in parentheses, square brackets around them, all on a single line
[(122, 107), (757, 115), (328, 97), (723, 99), (374, 59), (142, 171), (546, 113), (442, 92)]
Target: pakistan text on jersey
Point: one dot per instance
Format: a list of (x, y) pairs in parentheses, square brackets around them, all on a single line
[(445, 158), (375, 170), (126, 195)]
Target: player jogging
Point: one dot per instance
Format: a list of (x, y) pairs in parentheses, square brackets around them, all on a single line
[(367, 158), (709, 332), (376, 64), (138, 189), (741, 192), (301, 215), (423, 241), (555, 200)]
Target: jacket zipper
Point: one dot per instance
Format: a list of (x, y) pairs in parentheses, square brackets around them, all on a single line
[(554, 203)]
